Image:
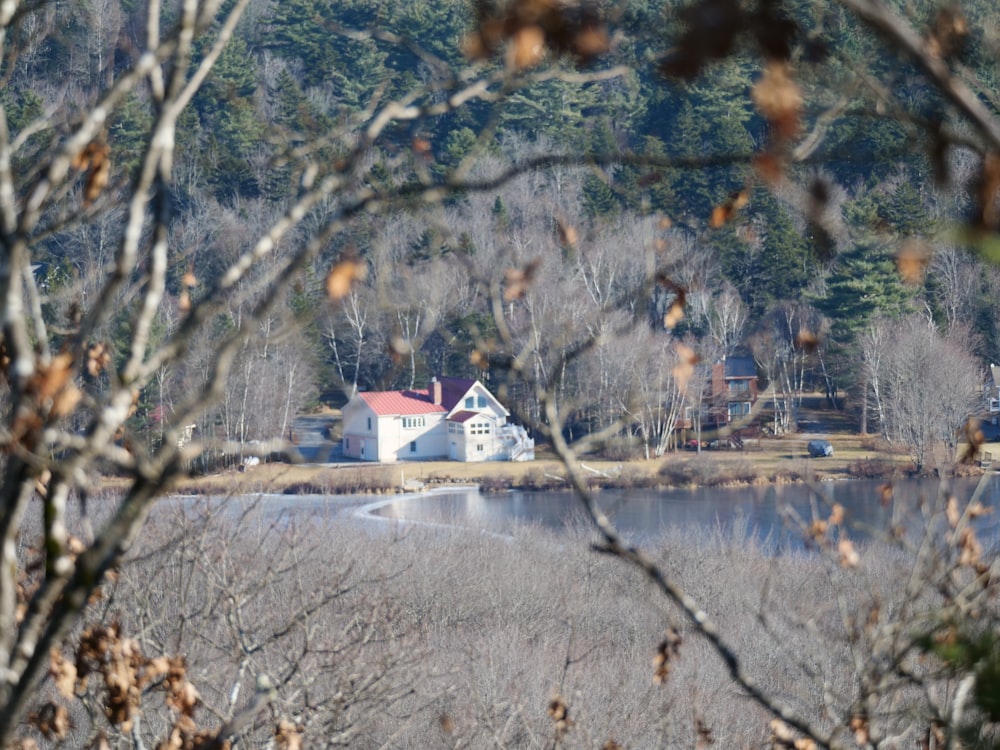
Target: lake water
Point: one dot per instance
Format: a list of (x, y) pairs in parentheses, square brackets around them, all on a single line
[(768, 512)]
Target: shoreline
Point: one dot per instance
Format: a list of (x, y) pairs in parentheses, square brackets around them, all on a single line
[(776, 462)]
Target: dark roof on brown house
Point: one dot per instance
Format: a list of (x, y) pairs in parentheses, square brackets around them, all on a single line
[(740, 367)]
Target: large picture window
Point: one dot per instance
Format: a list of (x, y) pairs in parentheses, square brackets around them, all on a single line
[(739, 409)]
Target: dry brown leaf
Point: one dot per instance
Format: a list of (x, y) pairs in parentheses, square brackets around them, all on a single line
[(781, 732), (591, 41), (66, 400), (474, 46), (859, 725), (725, 211), (559, 713), (189, 279), (63, 673), (288, 736), (970, 550), (97, 180), (526, 47), (885, 493), (342, 277), (51, 378), (42, 483), (703, 734), (952, 512), (568, 236), (82, 160), (817, 529), (807, 341), (675, 313), (98, 358), (949, 33), (836, 515), (849, 557), (4, 359), (912, 260), (684, 369), (770, 167), (779, 99), (95, 158), (989, 196), (517, 281), (977, 510), (75, 545), (667, 652), (973, 441), (479, 358)]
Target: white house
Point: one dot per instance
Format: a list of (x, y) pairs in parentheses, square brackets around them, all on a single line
[(452, 418), (993, 393)]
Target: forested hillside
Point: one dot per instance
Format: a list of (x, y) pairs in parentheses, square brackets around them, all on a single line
[(214, 213), (760, 264)]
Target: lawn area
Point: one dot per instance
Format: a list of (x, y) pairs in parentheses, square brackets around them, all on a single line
[(766, 460)]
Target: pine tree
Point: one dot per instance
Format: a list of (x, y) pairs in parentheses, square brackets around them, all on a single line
[(709, 123), (863, 285), (599, 200)]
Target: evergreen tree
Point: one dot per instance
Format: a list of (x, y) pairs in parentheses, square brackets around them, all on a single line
[(564, 112), (864, 284), (710, 122), (599, 200), (648, 189), (770, 259), (127, 133)]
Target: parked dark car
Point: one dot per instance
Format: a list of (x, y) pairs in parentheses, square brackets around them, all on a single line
[(819, 448)]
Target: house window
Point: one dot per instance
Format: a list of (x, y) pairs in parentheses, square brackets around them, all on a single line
[(480, 428), (481, 402), (347, 444), (739, 386), (413, 446), (739, 409), (369, 424), (479, 447), (469, 402), (411, 422)]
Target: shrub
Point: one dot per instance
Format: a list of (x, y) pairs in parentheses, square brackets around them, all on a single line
[(871, 468)]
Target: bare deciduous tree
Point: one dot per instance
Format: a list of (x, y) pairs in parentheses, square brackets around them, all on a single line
[(69, 397)]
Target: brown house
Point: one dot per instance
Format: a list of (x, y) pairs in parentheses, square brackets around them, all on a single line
[(729, 395), (734, 388)]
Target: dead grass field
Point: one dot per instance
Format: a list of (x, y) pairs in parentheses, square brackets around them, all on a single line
[(768, 460)]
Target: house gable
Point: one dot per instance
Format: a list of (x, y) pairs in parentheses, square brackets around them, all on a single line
[(477, 398)]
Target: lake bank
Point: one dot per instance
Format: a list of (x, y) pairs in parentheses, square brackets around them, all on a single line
[(772, 461)]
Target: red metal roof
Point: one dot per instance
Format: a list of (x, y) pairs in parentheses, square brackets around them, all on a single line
[(386, 403), (463, 416)]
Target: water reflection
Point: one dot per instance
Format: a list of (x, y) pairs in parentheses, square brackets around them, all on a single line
[(769, 512)]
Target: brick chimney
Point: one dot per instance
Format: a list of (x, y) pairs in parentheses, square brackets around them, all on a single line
[(435, 389)]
